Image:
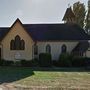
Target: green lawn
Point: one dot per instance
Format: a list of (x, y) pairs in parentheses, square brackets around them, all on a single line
[(51, 78)]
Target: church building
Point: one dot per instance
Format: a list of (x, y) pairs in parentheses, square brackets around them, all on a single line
[(27, 41)]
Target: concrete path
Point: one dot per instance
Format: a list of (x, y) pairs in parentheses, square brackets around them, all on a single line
[(7, 87)]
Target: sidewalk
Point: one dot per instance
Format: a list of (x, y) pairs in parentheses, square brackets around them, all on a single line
[(6, 87)]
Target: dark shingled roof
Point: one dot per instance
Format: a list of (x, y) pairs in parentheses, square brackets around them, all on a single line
[(82, 46), (69, 14), (51, 32), (3, 31), (45, 32)]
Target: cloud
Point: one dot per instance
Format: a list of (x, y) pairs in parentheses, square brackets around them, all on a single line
[(19, 13), (34, 11)]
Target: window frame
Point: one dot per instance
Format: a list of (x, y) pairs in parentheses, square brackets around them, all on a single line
[(48, 48), (63, 48), (17, 43), (35, 49), (12, 45)]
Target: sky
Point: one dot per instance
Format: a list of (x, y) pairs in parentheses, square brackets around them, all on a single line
[(34, 11)]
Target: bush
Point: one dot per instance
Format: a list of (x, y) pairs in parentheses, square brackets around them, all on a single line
[(7, 63), (30, 63), (87, 62), (45, 60), (1, 62), (17, 63), (25, 63), (80, 61), (65, 60), (55, 63)]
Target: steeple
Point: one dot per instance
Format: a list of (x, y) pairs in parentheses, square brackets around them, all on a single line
[(69, 16)]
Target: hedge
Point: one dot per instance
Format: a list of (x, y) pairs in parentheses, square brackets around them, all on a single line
[(30, 63), (45, 60), (67, 60), (6, 63)]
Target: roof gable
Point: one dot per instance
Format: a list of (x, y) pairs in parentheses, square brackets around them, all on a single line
[(7, 30), (82, 47), (68, 14)]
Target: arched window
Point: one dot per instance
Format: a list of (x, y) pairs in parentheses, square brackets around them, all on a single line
[(17, 42), (64, 48), (35, 49), (12, 45), (48, 49), (22, 45)]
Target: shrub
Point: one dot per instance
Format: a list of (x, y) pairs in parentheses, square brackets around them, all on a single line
[(80, 61), (45, 60), (7, 63), (65, 60), (55, 63), (1, 62), (17, 63), (87, 62), (30, 63), (35, 62), (25, 63)]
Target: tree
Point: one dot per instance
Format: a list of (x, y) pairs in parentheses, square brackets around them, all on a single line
[(87, 21), (80, 12)]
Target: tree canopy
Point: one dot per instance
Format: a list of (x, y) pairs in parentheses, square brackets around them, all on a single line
[(87, 21), (80, 12)]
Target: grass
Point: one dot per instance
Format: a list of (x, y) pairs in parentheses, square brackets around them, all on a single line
[(46, 77)]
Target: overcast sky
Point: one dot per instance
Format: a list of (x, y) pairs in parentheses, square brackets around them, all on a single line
[(33, 11)]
